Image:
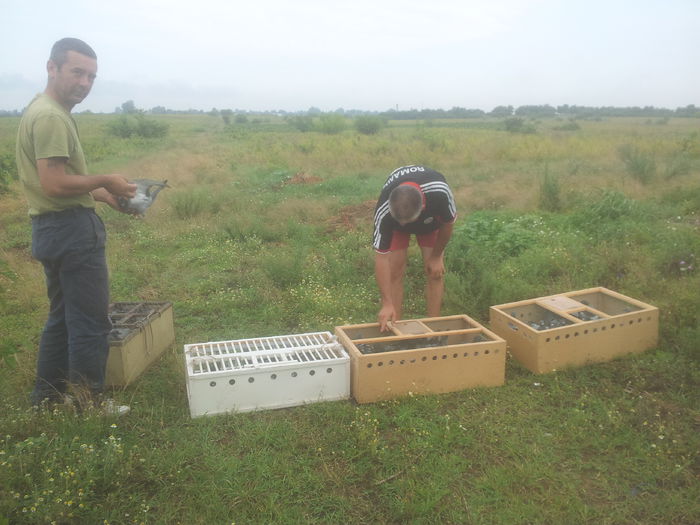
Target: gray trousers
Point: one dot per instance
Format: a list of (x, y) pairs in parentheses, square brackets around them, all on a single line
[(74, 343)]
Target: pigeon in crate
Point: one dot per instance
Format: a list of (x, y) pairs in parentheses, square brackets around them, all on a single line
[(146, 193)]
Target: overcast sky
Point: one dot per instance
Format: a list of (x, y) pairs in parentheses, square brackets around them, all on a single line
[(361, 54)]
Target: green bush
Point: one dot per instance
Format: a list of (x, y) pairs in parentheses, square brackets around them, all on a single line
[(331, 123), (120, 128), (612, 205), (368, 124), (641, 165), (518, 125), (150, 128), (137, 126), (302, 123)]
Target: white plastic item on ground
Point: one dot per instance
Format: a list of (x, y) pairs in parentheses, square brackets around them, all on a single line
[(263, 373)]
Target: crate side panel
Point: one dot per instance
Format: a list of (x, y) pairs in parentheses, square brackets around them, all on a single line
[(128, 359), (114, 374), (522, 342), (435, 370), (245, 391)]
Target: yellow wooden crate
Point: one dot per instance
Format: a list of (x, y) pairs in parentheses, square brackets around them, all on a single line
[(421, 356), (141, 332), (575, 328)]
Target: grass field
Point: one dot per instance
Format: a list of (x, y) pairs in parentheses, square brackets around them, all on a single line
[(266, 231)]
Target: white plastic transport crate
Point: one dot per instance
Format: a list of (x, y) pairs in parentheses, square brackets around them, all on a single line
[(268, 372)]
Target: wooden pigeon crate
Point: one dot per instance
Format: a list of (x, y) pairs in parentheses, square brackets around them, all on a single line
[(575, 328), (141, 332), (421, 356)]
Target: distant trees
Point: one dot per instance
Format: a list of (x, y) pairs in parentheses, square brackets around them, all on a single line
[(456, 112), (536, 111), (688, 111), (226, 115), (414, 114), (501, 112), (632, 111), (129, 108)]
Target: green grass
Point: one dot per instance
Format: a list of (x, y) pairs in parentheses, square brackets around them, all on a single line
[(267, 231)]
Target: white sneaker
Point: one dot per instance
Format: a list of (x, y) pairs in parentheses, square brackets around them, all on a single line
[(111, 408)]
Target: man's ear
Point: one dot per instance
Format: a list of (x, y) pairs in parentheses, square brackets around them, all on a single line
[(51, 68)]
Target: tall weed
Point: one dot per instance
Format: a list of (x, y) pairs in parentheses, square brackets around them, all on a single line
[(550, 192), (190, 203), (638, 163)]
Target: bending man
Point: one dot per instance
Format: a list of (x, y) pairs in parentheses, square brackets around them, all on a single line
[(414, 200)]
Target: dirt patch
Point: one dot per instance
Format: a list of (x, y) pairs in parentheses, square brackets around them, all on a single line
[(303, 177), (358, 216)]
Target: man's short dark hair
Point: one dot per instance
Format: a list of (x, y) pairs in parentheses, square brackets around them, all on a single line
[(60, 49), (405, 203)]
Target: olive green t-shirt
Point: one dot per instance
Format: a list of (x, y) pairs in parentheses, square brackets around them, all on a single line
[(47, 130)]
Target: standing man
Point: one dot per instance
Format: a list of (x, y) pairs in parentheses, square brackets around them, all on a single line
[(68, 237), (414, 200)]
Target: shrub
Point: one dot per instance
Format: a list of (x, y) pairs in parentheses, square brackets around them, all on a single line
[(518, 125), (302, 123), (611, 215), (368, 124), (611, 206), (120, 128), (139, 126), (150, 128), (639, 164), (331, 123)]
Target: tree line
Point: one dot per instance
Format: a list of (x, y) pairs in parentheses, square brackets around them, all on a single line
[(527, 111), (544, 111)]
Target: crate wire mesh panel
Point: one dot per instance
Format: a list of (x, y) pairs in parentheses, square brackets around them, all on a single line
[(140, 333), (422, 356), (575, 328), (269, 372)]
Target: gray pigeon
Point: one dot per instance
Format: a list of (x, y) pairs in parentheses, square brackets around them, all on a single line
[(146, 193)]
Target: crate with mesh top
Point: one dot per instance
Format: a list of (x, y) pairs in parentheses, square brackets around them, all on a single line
[(141, 332), (575, 328), (244, 375), (422, 356)]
